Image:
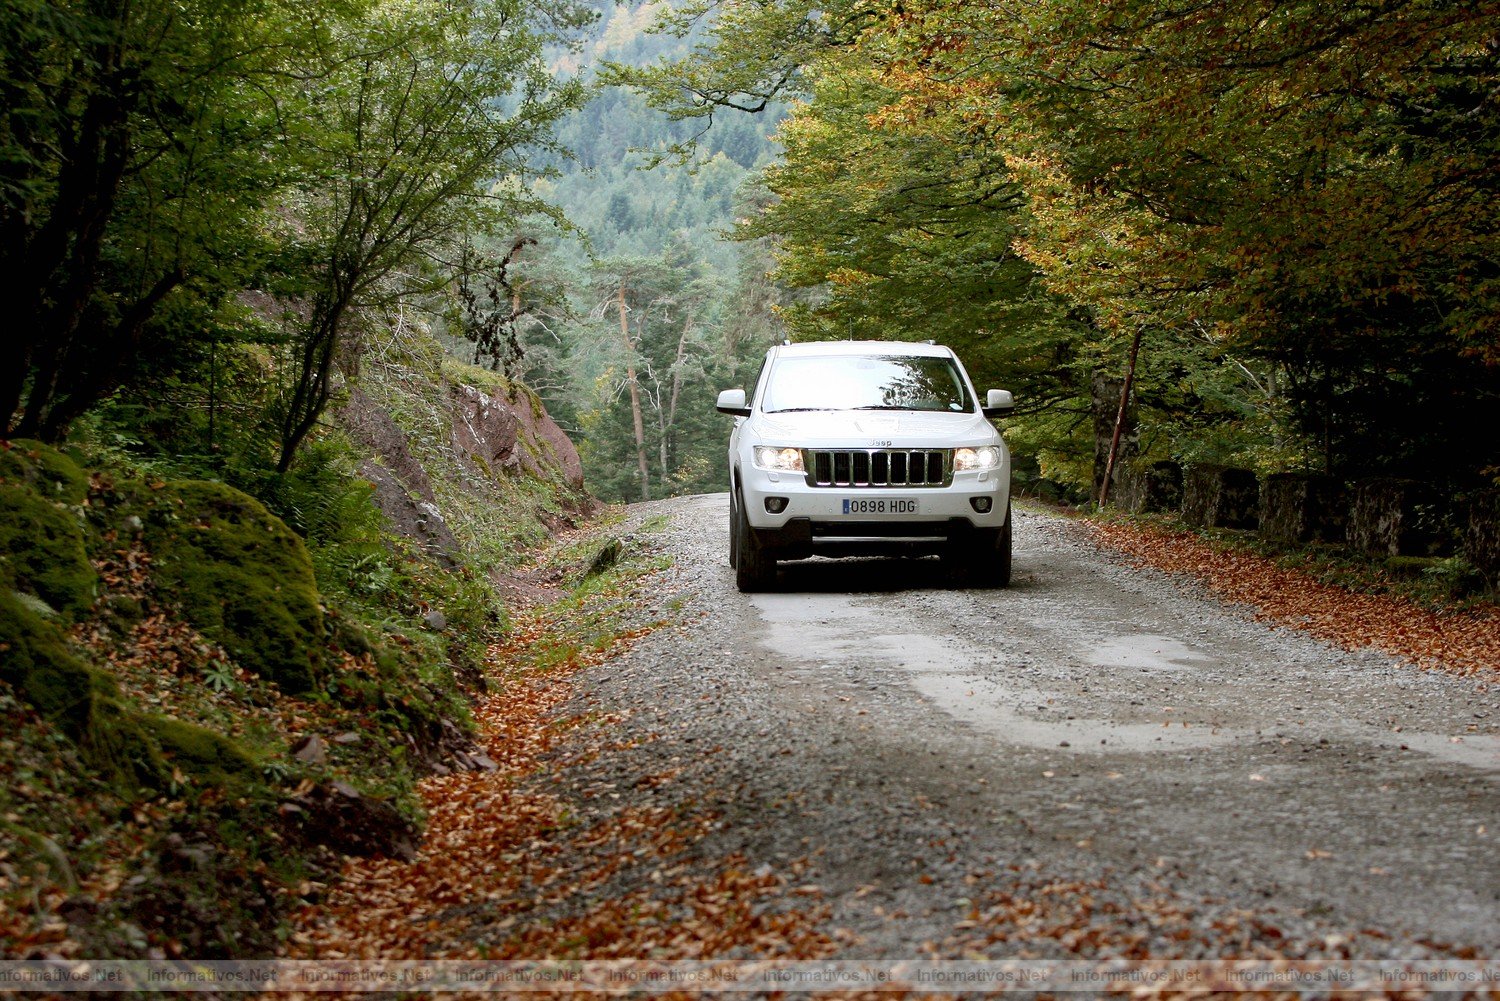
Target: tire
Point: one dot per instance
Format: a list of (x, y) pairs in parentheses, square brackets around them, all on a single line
[(990, 565), (1001, 566), (754, 568)]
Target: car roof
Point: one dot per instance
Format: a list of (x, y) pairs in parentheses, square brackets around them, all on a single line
[(835, 348)]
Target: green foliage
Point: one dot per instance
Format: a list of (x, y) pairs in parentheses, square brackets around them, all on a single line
[(917, 243), (1295, 205), (133, 180), (425, 138), (1305, 189), (242, 577), (332, 509), (663, 225), (771, 45), (651, 430)]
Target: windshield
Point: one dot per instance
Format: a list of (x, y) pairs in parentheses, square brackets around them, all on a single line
[(866, 382)]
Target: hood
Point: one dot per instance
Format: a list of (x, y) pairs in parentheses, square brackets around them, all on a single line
[(863, 428)]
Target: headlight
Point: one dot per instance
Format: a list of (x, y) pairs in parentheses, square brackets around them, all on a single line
[(782, 460), (969, 459)]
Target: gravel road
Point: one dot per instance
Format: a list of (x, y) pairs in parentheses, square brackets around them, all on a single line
[(930, 751)]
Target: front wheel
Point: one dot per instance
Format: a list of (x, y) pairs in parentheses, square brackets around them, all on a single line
[(987, 565), (1000, 568), (754, 568)]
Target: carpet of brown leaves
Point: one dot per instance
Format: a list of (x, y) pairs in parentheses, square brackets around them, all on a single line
[(1466, 643), (515, 868)]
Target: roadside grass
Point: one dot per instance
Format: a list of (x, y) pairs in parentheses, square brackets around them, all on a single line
[(598, 575)]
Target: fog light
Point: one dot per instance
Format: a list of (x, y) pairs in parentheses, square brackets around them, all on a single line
[(775, 505), (981, 504)]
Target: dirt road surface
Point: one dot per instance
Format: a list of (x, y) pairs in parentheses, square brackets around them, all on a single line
[(1124, 761)]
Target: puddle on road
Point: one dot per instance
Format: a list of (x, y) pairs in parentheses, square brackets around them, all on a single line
[(1148, 652), (991, 708), (1476, 750), (819, 630)]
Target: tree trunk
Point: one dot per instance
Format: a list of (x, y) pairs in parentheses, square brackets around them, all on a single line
[(46, 307), (1114, 443), (90, 375), (314, 369), (670, 426), (1104, 404), (635, 399)]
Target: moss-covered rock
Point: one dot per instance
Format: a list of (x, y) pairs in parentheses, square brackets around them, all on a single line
[(44, 549), (39, 665), (202, 755), (1411, 566), (79, 700), (242, 577)]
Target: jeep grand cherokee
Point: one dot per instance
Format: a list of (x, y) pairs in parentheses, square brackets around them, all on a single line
[(867, 448)]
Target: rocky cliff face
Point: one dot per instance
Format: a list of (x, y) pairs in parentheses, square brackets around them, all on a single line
[(467, 446), (511, 434)]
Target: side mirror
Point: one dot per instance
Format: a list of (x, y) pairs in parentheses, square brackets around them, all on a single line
[(732, 402), (998, 403)]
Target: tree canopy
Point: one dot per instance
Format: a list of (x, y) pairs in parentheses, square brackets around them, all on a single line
[(1294, 204)]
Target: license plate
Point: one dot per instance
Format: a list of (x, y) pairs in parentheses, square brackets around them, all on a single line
[(880, 506)]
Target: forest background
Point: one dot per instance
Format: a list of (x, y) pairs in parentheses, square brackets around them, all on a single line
[(1280, 217)]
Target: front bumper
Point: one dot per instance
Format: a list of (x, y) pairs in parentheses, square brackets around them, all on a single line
[(814, 520)]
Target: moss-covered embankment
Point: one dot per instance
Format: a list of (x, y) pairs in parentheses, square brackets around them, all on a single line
[(194, 729)]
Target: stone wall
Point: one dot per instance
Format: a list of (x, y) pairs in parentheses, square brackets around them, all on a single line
[(1396, 517), (1303, 507), (1482, 536), (1148, 487), (1220, 497)]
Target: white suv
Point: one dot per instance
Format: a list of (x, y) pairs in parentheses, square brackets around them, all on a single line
[(863, 448)]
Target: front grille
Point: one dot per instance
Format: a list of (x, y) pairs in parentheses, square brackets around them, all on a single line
[(878, 467)]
